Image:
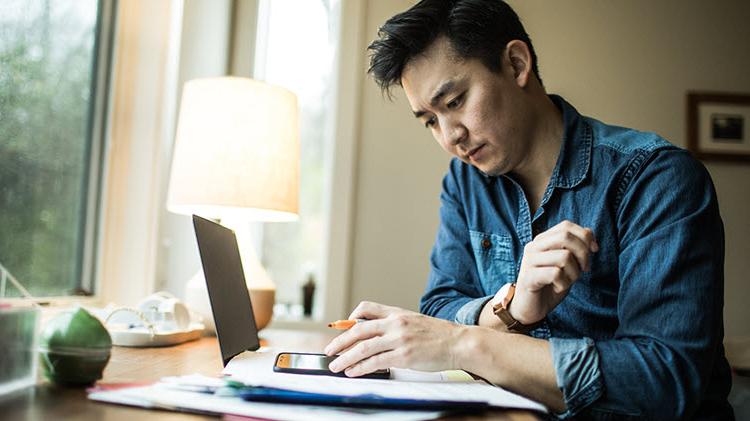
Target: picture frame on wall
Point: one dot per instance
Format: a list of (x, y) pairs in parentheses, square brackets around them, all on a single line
[(718, 126)]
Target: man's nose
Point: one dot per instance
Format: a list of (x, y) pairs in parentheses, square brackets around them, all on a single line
[(455, 133)]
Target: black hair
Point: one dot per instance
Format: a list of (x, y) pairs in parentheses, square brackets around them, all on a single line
[(476, 29)]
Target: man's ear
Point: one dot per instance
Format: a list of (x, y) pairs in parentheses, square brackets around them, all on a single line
[(519, 59)]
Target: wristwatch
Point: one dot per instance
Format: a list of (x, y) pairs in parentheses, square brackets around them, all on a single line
[(501, 310)]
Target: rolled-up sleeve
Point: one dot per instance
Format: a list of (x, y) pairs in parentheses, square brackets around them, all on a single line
[(452, 291), (577, 372), (468, 314)]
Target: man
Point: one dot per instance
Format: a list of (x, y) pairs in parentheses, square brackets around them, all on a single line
[(576, 263)]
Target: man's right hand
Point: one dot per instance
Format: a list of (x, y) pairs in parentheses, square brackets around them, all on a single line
[(552, 262)]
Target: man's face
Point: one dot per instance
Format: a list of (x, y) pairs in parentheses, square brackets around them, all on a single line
[(474, 114)]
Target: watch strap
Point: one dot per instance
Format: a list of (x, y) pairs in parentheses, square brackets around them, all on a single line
[(501, 311)]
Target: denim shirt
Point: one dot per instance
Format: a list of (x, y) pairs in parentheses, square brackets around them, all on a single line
[(640, 334)]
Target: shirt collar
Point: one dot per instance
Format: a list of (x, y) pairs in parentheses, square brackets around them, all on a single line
[(574, 159)]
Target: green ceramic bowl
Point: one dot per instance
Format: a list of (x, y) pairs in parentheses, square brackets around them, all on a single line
[(74, 348)]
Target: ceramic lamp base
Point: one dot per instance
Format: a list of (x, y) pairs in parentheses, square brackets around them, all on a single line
[(196, 299), (262, 301)]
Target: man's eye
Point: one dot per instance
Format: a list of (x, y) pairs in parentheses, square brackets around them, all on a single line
[(430, 122), (456, 102)]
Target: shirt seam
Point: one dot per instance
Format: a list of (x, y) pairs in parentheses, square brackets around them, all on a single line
[(648, 147), (633, 167)]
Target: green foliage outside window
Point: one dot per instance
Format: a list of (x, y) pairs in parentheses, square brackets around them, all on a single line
[(47, 64)]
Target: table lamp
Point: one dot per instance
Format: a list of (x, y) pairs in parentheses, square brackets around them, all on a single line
[(236, 160)]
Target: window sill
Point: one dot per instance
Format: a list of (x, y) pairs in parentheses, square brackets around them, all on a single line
[(51, 306)]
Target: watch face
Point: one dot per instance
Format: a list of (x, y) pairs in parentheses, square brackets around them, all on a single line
[(511, 293), (501, 295), (500, 303)]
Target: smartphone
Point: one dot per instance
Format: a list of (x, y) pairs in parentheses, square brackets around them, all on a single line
[(303, 363)]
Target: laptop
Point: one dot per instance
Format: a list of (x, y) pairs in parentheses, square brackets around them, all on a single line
[(227, 290)]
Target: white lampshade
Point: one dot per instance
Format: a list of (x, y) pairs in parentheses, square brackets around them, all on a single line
[(236, 152), (236, 158)]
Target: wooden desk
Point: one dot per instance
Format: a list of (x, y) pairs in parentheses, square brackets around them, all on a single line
[(47, 402)]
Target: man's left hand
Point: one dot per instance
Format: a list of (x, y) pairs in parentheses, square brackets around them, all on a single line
[(552, 262)]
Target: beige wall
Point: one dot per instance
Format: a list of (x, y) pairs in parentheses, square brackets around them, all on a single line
[(624, 62), (399, 170)]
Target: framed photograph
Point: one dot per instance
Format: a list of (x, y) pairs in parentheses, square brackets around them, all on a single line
[(718, 126)]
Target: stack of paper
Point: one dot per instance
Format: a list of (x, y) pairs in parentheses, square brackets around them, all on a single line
[(165, 396), (257, 369), (209, 395)]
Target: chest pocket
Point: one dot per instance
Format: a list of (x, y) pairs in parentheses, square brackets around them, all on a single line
[(494, 258)]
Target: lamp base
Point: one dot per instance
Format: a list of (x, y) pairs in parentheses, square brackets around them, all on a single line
[(196, 299), (263, 301)]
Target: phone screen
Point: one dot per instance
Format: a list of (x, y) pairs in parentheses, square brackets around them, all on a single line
[(301, 363), (307, 361)]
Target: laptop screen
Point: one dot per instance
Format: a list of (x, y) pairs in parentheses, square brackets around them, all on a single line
[(227, 291)]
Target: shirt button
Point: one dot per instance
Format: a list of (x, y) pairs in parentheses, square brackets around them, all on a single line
[(486, 244)]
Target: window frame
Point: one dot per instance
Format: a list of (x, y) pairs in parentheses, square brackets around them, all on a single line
[(100, 104)]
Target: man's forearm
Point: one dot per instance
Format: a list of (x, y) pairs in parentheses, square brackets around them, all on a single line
[(516, 362)]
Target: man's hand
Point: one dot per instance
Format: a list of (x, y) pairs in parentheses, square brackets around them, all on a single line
[(551, 263), (393, 337)]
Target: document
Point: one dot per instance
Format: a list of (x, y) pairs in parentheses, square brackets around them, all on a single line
[(201, 394), (256, 369), (164, 396)]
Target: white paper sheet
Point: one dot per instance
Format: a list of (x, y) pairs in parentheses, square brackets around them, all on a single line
[(163, 397), (256, 368)]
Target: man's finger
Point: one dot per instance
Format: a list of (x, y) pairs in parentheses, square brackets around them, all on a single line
[(359, 332), (586, 235), (563, 240), (563, 259), (364, 349), (559, 279), (376, 362)]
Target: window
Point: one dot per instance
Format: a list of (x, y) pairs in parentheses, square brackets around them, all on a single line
[(53, 74), (304, 64)]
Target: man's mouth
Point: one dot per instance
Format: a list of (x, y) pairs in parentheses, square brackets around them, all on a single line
[(474, 151)]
